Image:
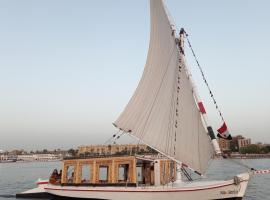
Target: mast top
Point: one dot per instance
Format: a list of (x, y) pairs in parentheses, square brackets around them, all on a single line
[(182, 31), (181, 40)]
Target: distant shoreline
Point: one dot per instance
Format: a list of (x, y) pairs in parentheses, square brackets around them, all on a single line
[(26, 161), (249, 156)]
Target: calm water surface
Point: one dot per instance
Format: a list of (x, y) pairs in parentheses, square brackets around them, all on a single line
[(18, 177)]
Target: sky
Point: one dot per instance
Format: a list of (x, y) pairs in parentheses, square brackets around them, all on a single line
[(68, 68)]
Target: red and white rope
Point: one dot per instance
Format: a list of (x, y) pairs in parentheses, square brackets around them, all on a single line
[(263, 171)]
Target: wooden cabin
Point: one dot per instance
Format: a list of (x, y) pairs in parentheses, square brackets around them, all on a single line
[(118, 171)]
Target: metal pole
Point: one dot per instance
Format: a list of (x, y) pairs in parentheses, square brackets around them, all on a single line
[(196, 95)]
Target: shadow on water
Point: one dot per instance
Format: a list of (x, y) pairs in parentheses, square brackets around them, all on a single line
[(8, 196)]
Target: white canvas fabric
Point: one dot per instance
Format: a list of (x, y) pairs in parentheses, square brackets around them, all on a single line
[(153, 114)]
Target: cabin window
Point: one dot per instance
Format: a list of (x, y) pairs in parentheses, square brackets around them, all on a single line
[(172, 170), (103, 151), (86, 174), (139, 174), (123, 172), (103, 173), (70, 174), (152, 175)]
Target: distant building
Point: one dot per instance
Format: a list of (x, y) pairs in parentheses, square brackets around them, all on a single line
[(261, 145), (38, 157), (244, 142), (224, 144), (5, 158), (239, 141), (112, 149), (17, 152)]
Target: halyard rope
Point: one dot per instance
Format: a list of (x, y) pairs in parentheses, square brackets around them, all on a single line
[(204, 78), (241, 164), (113, 138), (211, 94)]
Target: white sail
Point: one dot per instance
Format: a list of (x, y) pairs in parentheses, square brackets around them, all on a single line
[(162, 112)]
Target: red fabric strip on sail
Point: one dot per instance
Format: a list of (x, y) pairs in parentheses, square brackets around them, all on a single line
[(201, 107)]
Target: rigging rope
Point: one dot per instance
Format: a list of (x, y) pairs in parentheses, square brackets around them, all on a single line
[(188, 176), (212, 96), (204, 78), (240, 163), (114, 137)]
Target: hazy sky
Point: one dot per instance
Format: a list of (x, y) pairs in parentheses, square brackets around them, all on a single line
[(68, 68)]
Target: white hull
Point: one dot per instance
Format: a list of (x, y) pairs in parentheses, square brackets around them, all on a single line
[(183, 191), (38, 192)]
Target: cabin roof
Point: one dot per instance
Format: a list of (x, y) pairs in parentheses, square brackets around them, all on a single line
[(95, 156), (149, 157)]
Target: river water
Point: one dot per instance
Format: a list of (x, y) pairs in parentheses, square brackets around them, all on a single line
[(18, 177)]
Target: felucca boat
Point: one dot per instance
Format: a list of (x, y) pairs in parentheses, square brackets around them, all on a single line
[(165, 113)]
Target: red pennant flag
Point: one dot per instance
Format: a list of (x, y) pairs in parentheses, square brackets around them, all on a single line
[(223, 132)]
